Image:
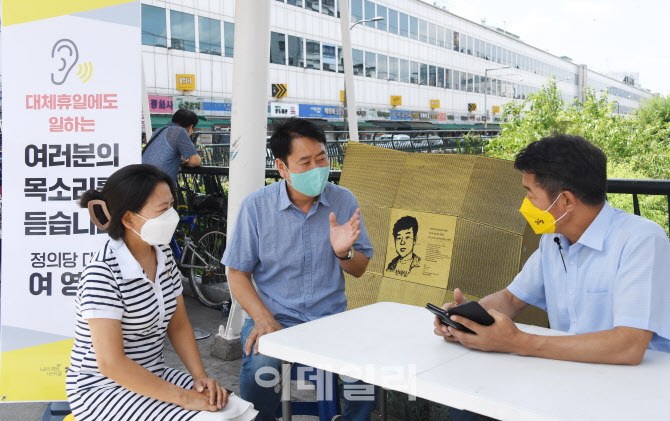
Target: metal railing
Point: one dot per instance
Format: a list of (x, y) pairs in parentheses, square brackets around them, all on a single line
[(219, 154), (213, 180)]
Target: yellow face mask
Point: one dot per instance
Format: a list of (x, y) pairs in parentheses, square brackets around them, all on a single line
[(540, 220)]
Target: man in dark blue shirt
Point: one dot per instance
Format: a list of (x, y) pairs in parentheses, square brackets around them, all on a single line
[(172, 146)]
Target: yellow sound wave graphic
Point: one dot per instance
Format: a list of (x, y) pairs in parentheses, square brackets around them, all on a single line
[(85, 71)]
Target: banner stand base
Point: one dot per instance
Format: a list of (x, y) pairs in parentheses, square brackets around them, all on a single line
[(56, 411)]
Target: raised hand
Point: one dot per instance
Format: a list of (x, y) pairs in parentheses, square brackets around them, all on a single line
[(342, 237)]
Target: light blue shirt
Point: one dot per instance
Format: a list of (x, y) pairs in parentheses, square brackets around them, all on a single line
[(297, 275), (618, 274)]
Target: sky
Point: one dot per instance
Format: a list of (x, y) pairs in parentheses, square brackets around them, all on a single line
[(607, 36)]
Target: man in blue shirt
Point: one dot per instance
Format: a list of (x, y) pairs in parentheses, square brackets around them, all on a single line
[(172, 147), (600, 273), (296, 237)]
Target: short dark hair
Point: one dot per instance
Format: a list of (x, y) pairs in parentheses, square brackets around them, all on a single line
[(282, 138), (405, 223), (566, 163), (185, 118), (128, 189)]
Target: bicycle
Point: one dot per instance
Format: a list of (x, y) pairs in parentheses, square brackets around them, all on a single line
[(201, 260)]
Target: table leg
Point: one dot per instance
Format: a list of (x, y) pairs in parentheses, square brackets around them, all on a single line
[(286, 391), (382, 402)]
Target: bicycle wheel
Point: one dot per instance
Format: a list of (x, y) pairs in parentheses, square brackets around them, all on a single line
[(208, 275)]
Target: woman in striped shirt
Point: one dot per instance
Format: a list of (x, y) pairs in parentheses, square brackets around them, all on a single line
[(128, 299)]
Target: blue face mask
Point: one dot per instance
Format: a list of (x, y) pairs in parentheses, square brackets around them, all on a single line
[(310, 183)]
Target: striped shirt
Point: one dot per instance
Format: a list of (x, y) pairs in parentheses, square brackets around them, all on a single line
[(114, 286)]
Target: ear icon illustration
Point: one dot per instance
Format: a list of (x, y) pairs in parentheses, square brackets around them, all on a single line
[(66, 56)]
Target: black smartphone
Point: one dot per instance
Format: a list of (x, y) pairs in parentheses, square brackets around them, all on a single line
[(471, 310)]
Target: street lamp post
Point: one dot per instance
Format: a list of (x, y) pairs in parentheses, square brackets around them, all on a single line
[(486, 91), (350, 103)]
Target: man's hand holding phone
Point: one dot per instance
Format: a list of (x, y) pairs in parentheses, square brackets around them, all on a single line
[(442, 329)]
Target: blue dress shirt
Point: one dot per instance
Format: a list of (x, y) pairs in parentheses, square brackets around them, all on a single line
[(617, 275), (297, 275)]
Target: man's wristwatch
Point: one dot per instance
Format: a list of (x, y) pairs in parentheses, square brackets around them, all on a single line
[(349, 256)]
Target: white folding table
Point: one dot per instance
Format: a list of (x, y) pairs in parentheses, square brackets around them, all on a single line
[(393, 346)]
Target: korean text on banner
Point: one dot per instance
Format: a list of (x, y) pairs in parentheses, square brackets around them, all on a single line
[(68, 124)]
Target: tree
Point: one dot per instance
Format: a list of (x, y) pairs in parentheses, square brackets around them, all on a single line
[(637, 145)]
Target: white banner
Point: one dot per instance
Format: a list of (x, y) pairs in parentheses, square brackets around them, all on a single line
[(71, 117)]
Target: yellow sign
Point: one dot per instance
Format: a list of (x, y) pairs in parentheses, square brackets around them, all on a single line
[(342, 96), (472, 107), (279, 90), (419, 247), (396, 100), (186, 82), (434, 103), (496, 109)]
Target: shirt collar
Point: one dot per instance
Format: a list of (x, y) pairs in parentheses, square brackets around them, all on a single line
[(129, 267), (285, 202), (594, 236)]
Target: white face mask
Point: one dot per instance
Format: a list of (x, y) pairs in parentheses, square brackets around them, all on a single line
[(159, 230)]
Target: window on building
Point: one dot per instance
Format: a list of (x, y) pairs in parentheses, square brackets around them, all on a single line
[(488, 51), (403, 24), (210, 36), (182, 27), (312, 5), (370, 64), (477, 52), (464, 81), (328, 57), (382, 24), (370, 13), (382, 67), (432, 34), (448, 39), (448, 77), (499, 55), (393, 21), (404, 71), (456, 81), (476, 88), (277, 48), (393, 68), (356, 10), (423, 74), (296, 54), (340, 59), (413, 72), (470, 45), (229, 38), (154, 29), (432, 76), (494, 54), (471, 82), (499, 87), (294, 2), (440, 36), (423, 30), (313, 54), (413, 27), (328, 7), (440, 77), (357, 60)]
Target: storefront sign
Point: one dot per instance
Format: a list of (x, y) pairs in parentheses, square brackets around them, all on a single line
[(160, 104), (401, 115), (281, 109), (319, 111)]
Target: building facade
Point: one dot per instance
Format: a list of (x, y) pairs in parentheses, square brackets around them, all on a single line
[(419, 67)]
